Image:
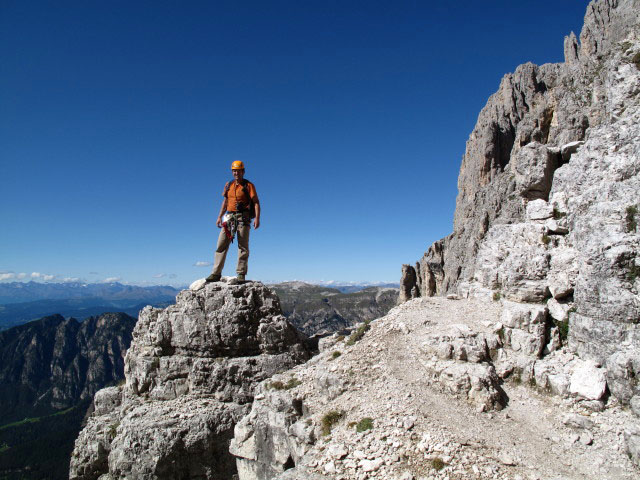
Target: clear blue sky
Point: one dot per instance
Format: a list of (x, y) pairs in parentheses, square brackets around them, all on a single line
[(119, 121)]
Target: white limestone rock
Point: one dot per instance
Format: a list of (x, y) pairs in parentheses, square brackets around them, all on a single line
[(460, 343), (519, 273), (559, 311), (556, 226), (568, 134), (337, 452), (107, 400), (588, 381), (533, 166), (539, 210), (525, 327), (569, 149), (563, 272), (477, 382), (623, 370), (577, 421), (559, 384), (198, 284)]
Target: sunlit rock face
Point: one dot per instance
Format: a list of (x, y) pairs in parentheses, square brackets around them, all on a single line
[(549, 195), (190, 375)]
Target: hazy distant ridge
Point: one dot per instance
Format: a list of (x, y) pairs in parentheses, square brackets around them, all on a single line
[(18, 292), (24, 302)]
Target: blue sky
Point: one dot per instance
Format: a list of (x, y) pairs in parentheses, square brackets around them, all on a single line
[(120, 120)]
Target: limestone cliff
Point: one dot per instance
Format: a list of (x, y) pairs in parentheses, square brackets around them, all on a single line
[(548, 197), (190, 374), (516, 145)]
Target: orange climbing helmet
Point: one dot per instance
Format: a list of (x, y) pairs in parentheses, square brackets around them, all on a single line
[(237, 165)]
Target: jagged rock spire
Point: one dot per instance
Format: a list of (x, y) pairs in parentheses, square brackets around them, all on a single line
[(190, 375)]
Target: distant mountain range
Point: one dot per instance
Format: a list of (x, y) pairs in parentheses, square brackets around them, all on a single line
[(18, 292), (23, 302), (344, 287), (318, 309), (356, 287)]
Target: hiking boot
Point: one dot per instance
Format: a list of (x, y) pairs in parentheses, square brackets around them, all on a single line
[(213, 278), (240, 277)]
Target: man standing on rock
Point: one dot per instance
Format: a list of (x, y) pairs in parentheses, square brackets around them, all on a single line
[(239, 206)]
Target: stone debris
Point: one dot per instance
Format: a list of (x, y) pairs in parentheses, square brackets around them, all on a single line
[(577, 421)]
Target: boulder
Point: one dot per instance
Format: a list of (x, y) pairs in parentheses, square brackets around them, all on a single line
[(272, 436), (623, 370), (559, 311), (533, 167), (588, 381), (407, 284)]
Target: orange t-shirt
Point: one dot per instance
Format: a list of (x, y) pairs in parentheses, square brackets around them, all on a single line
[(236, 194)]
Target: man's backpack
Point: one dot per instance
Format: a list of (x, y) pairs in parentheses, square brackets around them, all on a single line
[(241, 206)]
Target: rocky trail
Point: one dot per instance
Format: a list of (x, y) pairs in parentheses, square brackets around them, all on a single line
[(426, 424), (528, 432)]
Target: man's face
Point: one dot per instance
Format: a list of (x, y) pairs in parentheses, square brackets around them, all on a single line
[(238, 174)]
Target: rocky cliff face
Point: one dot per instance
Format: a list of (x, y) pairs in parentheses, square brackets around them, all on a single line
[(53, 363), (190, 375), (548, 198)]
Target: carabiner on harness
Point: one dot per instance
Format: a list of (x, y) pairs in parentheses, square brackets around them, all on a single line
[(230, 225)]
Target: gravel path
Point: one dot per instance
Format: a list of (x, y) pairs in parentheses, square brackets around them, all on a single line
[(419, 424)]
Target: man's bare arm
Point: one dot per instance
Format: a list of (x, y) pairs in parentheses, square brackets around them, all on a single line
[(256, 206)]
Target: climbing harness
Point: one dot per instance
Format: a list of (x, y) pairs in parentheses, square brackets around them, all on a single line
[(230, 225), (231, 221)]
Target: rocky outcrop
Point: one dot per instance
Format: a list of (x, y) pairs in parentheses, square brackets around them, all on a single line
[(190, 375), (548, 199), (53, 363), (438, 388)]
